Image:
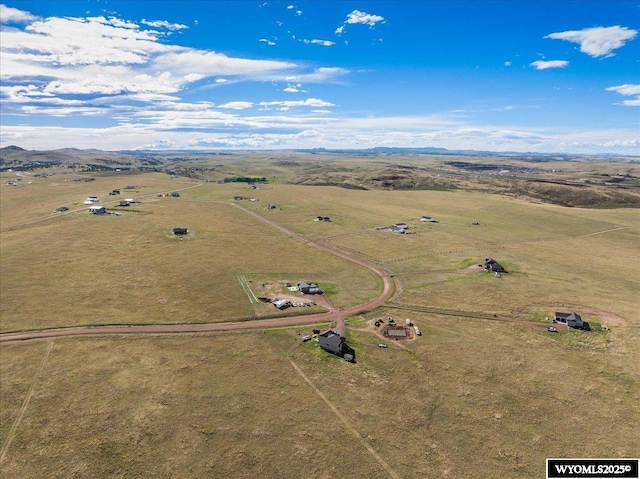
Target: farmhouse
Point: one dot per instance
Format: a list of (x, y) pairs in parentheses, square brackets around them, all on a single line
[(97, 210), (309, 288), (490, 264), (334, 343), (398, 229), (572, 320)]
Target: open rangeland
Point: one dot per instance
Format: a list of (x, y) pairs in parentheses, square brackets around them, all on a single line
[(481, 393)]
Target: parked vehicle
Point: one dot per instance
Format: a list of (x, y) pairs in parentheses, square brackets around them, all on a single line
[(551, 329)]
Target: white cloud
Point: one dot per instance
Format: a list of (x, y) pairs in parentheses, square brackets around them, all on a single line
[(164, 24), (268, 42), (13, 15), (237, 105), (546, 64), (627, 90), (324, 43), (339, 30), (507, 64), (298, 12), (357, 16), (286, 105), (598, 41)]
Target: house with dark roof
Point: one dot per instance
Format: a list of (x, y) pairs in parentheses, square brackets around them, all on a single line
[(572, 320), (490, 264), (180, 231), (308, 288), (332, 342)]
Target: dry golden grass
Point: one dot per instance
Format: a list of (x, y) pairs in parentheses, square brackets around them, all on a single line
[(470, 398)]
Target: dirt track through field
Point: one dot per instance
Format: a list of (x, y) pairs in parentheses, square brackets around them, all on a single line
[(23, 408), (346, 423), (336, 316)]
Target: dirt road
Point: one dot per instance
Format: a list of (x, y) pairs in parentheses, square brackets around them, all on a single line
[(337, 315)]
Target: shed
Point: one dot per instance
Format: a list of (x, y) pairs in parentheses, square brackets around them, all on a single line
[(398, 229), (123, 203), (180, 231), (97, 210), (309, 288), (175, 194), (282, 303), (429, 219)]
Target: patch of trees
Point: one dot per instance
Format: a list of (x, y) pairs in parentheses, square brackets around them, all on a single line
[(245, 179)]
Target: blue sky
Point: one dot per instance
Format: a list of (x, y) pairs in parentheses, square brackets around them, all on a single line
[(540, 76)]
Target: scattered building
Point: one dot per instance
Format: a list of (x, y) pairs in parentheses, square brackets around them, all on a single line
[(175, 194), (326, 219), (282, 303), (490, 264), (97, 210), (124, 203), (93, 199), (180, 231), (308, 288), (572, 320), (61, 209), (398, 229), (429, 219), (114, 192), (334, 343), (271, 206)]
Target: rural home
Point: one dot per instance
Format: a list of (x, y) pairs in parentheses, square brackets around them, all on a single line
[(334, 343), (398, 229), (490, 264), (572, 320), (97, 210), (309, 288), (429, 219)]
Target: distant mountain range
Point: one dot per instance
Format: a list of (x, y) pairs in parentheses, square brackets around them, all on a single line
[(13, 152)]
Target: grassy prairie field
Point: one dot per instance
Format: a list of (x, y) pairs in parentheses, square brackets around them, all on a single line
[(470, 398), (85, 269)]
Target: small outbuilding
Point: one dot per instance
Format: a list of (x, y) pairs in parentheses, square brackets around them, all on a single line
[(429, 219), (180, 231), (97, 210), (308, 288), (282, 303)]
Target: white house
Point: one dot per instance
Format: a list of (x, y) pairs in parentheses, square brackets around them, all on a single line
[(97, 210)]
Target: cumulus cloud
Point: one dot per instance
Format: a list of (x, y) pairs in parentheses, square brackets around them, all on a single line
[(627, 90), (13, 15), (507, 64), (268, 42), (358, 17), (546, 64), (364, 18), (598, 41)]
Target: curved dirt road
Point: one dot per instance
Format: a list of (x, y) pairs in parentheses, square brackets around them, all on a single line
[(336, 315)]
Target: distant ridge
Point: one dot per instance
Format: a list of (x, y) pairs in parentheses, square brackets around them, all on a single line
[(12, 148)]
